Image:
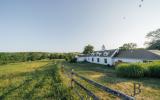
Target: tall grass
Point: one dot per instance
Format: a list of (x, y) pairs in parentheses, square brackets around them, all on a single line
[(137, 70), (153, 69), (130, 70), (32, 81)]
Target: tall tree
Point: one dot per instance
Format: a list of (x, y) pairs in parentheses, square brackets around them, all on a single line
[(88, 49), (153, 39), (128, 46)]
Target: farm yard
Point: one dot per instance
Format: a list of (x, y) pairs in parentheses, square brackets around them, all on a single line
[(43, 80), (80, 50), (37, 80), (107, 76)]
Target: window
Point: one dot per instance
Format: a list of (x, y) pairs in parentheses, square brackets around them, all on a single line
[(92, 59), (97, 59), (106, 54), (92, 54), (105, 60)]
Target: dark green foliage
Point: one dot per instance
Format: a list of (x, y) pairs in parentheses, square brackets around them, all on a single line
[(128, 46), (154, 39), (154, 69), (130, 70), (74, 60), (88, 49), (154, 45), (32, 56), (150, 69)]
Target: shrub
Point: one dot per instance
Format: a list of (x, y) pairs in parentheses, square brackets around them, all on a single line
[(73, 60), (150, 69), (154, 69), (130, 70)]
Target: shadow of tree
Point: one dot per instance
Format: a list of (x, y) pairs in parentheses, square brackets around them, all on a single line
[(30, 93), (109, 75), (29, 77), (14, 88)]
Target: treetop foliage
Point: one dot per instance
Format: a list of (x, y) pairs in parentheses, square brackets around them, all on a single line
[(88, 49), (32, 56), (128, 46), (154, 39)]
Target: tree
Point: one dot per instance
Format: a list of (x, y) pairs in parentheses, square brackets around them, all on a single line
[(128, 46), (88, 49), (154, 39)]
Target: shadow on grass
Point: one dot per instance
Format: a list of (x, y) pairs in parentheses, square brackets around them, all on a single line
[(39, 76), (29, 75), (31, 92), (20, 74), (14, 88), (109, 75)]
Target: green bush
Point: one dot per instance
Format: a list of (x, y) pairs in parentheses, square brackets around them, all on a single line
[(130, 70), (154, 69), (150, 69)]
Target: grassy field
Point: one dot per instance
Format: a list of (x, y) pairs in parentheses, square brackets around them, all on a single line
[(107, 76), (38, 80), (42, 80)]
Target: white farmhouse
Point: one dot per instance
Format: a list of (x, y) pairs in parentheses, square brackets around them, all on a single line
[(111, 57)]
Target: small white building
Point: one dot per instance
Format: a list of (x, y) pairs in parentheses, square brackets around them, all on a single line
[(111, 57)]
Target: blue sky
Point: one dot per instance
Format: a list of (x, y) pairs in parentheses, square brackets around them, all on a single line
[(69, 25)]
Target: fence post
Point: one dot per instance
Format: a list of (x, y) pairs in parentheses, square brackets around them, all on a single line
[(137, 89), (62, 69), (72, 78)]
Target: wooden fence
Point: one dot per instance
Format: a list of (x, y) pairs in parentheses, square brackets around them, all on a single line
[(101, 87)]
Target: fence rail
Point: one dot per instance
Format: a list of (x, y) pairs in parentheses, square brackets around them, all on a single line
[(104, 88), (100, 86), (86, 90)]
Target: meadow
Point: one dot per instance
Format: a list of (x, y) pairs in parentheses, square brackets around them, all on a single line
[(43, 80), (108, 77), (36, 80)]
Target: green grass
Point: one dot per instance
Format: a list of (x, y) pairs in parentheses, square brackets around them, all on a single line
[(38, 80), (130, 70), (107, 76), (137, 70), (42, 80)]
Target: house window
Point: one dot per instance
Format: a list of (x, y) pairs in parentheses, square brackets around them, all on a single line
[(92, 59), (105, 60), (106, 54), (97, 59)]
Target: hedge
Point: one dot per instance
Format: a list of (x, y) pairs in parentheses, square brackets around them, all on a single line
[(138, 70)]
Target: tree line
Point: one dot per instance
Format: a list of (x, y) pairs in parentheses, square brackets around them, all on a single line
[(152, 43), (32, 56)]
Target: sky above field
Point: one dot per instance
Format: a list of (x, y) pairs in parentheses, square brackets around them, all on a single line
[(69, 25)]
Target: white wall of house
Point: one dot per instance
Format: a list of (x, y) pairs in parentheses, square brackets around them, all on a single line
[(95, 60), (127, 60), (81, 59), (110, 60)]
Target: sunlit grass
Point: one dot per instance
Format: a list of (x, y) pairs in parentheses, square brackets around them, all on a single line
[(37, 80), (107, 76)]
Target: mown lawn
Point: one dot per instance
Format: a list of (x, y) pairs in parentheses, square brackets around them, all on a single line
[(38, 80), (107, 76)]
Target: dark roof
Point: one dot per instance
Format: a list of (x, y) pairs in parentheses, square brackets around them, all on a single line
[(138, 54), (110, 52), (82, 55)]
